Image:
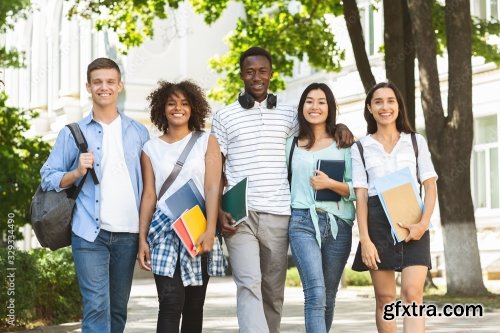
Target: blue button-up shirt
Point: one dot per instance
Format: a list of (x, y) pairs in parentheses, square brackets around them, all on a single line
[(64, 158)]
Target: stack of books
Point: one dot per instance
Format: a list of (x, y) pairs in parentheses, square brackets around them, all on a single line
[(189, 227), (187, 206)]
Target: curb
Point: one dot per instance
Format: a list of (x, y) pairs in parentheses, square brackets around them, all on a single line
[(63, 328)]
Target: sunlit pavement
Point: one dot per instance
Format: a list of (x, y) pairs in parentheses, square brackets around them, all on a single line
[(354, 311)]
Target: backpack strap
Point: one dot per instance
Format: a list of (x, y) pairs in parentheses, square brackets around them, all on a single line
[(290, 156), (82, 145), (180, 162), (361, 153), (415, 149)]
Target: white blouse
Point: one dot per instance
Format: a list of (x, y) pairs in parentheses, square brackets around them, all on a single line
[(380, 163)]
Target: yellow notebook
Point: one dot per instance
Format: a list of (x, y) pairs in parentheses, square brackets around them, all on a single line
[(195, 224)]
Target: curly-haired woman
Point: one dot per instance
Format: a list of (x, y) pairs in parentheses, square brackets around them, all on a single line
[(179, 109)]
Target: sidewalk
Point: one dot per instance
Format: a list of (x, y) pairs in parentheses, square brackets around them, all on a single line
[(354, 311)]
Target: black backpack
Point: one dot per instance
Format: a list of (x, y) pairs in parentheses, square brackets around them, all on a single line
[(52, 212)]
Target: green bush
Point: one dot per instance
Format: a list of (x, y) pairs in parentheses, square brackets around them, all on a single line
[(46, 289), (19, 282), (353, 278), (293, 278)]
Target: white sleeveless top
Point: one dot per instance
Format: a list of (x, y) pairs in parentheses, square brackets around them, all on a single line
[(163, 156)]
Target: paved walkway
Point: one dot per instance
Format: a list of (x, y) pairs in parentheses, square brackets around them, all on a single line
[(354, 311)]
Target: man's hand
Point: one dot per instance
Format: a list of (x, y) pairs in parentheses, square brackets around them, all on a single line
[(86, 161), (343, 136), (226, 222)]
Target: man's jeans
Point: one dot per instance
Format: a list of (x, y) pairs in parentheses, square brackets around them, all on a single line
[(320, 278), (105, 269)]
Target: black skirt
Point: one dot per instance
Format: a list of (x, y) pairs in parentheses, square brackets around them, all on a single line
[(393, 257)]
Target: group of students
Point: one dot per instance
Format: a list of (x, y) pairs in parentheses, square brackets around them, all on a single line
[(125, 217)]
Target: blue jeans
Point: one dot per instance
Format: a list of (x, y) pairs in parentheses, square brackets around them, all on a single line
[(320, 278), (105, 269)]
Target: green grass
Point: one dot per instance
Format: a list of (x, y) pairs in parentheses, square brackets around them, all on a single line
[(439, 296), (353, 278)]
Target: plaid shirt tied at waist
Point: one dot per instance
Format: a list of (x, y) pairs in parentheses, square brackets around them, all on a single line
[(164, 245)]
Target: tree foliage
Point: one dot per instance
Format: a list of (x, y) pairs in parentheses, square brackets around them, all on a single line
[(288, 34), (131, 20), (11, 58), (10, 11), (289, 29), (20, 161), (20, 157), (483, 32)]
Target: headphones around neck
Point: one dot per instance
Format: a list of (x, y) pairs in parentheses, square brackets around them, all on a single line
[(247, 101)]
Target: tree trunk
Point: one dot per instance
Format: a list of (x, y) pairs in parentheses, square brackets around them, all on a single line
[(351, 15), (450, 139), (400, 52), (409, 65), (458, 219)]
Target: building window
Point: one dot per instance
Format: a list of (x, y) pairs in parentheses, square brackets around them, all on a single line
[(485, 163), (367, 23), (485, 9)]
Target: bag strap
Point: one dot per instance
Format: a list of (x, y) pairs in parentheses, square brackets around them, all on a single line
[(180, 162), (361, 153), (82, 145), (415, 149), (292, 148)]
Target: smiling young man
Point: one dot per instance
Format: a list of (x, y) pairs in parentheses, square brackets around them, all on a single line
[(106, 221), (252, 134)]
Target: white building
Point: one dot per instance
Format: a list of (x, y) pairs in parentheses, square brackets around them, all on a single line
[(58, 52)]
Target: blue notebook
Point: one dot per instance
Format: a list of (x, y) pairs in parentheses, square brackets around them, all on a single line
[(335, 170), (185, 198)]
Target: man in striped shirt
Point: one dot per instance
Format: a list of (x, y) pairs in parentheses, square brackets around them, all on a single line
[(252, 133)]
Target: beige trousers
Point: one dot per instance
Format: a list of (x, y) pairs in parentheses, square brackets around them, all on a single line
[(258, 257)]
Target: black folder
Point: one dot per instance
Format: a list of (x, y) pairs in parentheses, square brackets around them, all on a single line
[(335, 170)]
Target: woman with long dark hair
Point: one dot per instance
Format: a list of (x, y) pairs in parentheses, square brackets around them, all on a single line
[(319, 231), (391, 145)]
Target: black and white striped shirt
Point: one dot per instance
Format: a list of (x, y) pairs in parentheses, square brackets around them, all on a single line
[(253, 143)]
